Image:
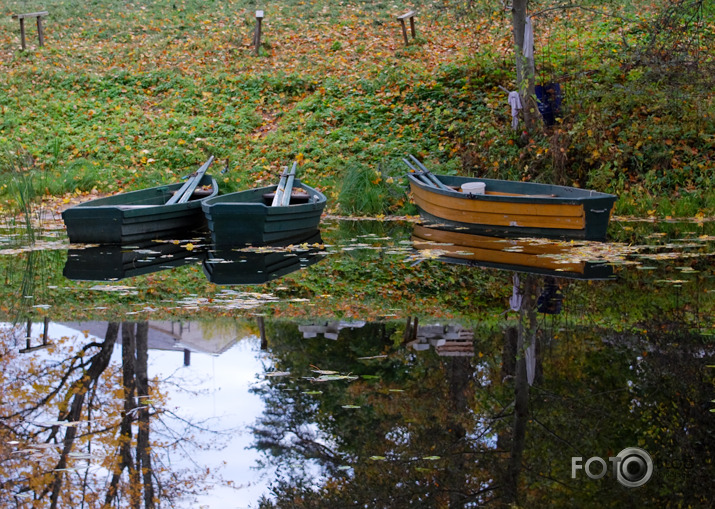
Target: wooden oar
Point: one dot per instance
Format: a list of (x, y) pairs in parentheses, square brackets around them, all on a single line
[(278, 197), (420, 174), (429, 174), (196, 181), (289, 186), (189, 186)]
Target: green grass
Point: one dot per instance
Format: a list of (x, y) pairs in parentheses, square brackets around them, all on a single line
[(125, 96)]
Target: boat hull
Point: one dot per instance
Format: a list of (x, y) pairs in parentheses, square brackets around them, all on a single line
[(516, 208), (136, 216), (246, 217)]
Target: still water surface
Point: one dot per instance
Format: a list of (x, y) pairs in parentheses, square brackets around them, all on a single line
[(374, 364)]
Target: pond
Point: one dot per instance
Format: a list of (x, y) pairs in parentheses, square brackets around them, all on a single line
[(376, 363)]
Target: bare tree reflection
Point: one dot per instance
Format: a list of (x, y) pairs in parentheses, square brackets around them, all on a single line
[(101, 431)]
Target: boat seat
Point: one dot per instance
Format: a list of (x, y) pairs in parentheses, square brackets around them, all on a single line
[(197, 194), (295, 198)]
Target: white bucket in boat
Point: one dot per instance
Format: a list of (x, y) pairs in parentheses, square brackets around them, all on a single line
[(474, 187)]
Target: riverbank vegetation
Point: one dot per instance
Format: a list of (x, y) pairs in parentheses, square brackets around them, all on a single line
[(124, 95)]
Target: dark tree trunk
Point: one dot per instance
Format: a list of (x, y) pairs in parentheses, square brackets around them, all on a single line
[(526, 331), (525, 72), (98, 364), (125, 429), (143, 444)]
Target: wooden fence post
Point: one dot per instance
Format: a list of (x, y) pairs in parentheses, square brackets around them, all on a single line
[(41, 36), (257, 34), (22, 33)]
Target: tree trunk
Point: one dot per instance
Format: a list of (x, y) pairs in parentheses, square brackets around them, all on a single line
[(125, 428), (98, 364), (526, 331), (525, 71), (143, 444)]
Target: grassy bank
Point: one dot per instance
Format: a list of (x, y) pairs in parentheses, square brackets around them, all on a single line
[(127, 95)]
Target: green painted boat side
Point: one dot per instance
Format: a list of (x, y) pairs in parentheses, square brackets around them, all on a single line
[(246, 217), (516, 208), (136, 216)]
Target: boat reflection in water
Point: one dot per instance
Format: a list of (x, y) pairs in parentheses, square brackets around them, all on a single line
[(112, 262), (258, 264), (250, 264), (530, 255)]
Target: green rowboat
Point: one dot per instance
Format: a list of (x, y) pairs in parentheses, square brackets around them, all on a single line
[(247, 217), (138, 215)]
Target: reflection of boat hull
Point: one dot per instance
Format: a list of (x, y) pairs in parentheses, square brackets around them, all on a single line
[(259, 264), (105, 263), (515, 208), (247, 217), (136, 215), (520, 255)]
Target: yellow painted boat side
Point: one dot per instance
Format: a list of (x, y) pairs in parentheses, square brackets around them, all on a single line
[(501, 213)]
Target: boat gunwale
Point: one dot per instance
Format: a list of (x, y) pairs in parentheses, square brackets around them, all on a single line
[(215, 201), (97, 204), (582, 195)]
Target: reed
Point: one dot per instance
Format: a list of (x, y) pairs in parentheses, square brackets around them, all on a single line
[(25, 188)]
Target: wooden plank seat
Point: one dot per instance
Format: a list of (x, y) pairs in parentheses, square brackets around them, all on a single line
[(295, 198), (402, 17), (40, 34)]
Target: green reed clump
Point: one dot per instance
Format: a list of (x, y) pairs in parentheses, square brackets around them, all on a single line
[(366, 190)]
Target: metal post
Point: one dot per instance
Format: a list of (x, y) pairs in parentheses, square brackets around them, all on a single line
[(28, 329), (262, 330), (47, 324)]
